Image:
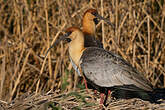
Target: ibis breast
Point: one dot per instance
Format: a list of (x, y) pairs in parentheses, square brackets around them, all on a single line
[(106, 69)]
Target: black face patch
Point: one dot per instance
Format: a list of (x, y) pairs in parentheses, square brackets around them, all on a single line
[(68, 33), (96, 21), (68, 39), (94, 13)]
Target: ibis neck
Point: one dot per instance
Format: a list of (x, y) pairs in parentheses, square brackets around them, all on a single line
[(76, 55), (89, 27), (75, 52)]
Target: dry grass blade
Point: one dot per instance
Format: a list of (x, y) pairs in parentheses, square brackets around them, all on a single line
[(28, 28)]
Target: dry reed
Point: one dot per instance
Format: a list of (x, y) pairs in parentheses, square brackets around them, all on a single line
[(28, 28)]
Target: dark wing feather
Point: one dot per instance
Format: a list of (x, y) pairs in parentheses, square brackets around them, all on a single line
[(106, 69)]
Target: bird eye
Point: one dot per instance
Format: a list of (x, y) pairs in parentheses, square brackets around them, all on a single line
[(96, 21)]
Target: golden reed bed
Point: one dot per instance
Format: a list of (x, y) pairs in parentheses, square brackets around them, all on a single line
[(28, 28)]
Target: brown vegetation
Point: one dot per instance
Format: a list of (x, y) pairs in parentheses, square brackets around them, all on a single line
[(29, 27)]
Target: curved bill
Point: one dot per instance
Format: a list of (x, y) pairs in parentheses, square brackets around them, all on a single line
[(57, 41), (102, 18)]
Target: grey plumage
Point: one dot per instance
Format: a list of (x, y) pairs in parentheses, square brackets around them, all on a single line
[(106, 69)]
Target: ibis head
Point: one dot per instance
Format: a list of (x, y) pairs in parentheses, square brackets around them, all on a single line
[(91, 19), (75, 38)]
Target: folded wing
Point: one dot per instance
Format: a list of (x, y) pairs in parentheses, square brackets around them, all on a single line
[(106, 69)]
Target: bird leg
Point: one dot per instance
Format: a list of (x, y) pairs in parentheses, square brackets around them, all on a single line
[(109, 92), (101, 98), (85, 82), (106, 97), (95, 92)]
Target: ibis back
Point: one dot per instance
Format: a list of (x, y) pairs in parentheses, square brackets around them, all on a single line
[(106, 69)]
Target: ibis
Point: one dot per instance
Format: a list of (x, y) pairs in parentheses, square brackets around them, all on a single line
[(102, 69)]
